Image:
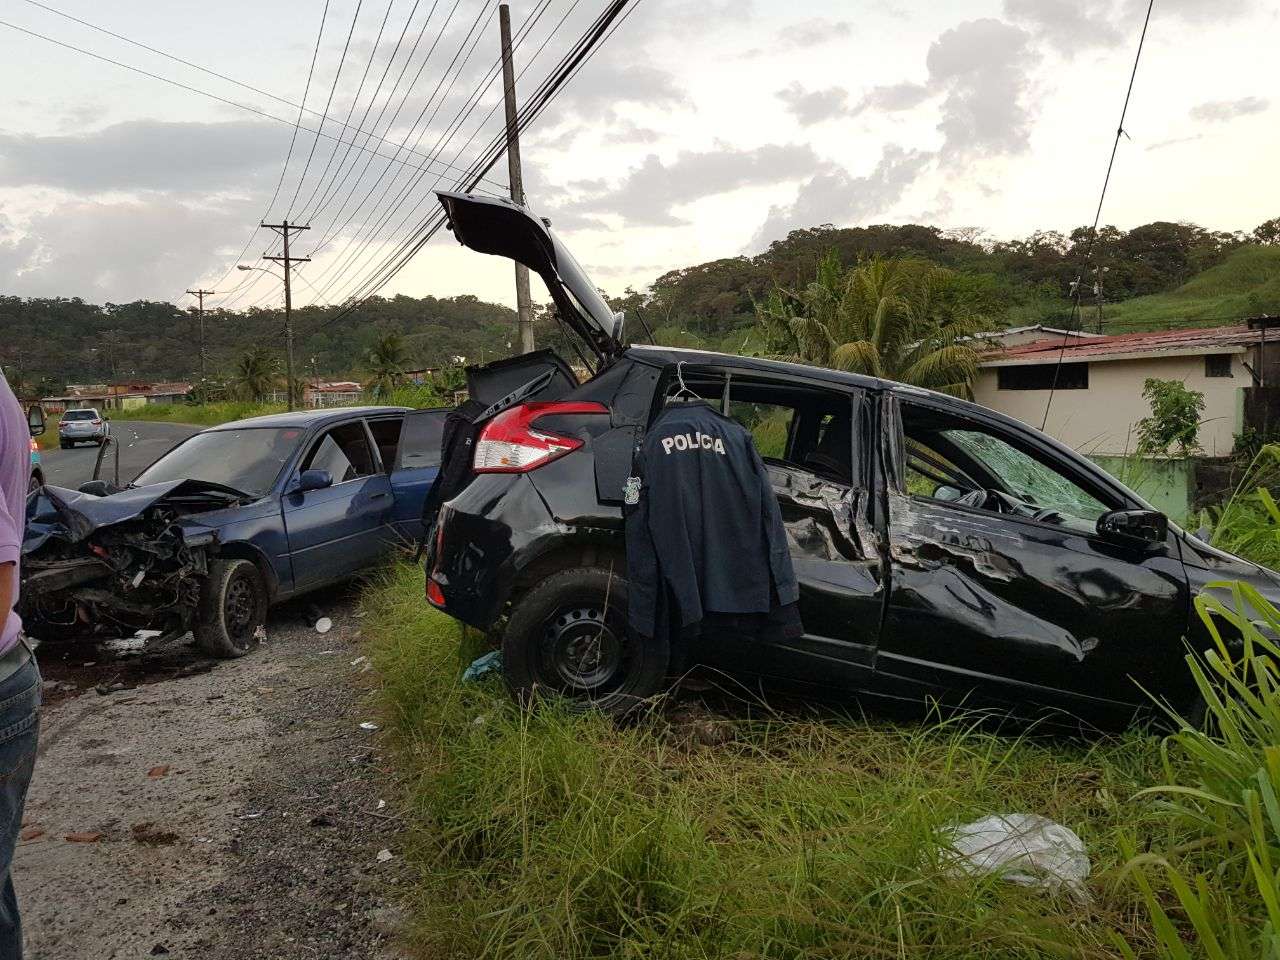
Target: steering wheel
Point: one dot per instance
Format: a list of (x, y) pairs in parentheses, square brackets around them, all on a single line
[(1002, 502)]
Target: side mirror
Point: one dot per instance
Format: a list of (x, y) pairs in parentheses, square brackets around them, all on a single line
[(1134, 528), (947, 493), (35, 419), (314, 480)]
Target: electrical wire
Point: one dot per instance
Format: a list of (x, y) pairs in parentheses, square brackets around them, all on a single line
[(345, 265), (287, 157), (569, 67), (473, 32), (1097, 217)]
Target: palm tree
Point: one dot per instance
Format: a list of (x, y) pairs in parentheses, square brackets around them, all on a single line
[(885, 318), (387, 361), (256, 374)]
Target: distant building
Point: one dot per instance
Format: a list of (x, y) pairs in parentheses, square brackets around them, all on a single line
[(116, 396)]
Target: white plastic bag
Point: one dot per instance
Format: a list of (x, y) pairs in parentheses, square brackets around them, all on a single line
[(1024, 848)]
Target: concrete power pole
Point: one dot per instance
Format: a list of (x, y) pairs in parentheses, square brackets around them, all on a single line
[(524, 305), (200, 295), (283, 228)]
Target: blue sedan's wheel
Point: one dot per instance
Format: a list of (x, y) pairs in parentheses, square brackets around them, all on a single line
[(233, 605)]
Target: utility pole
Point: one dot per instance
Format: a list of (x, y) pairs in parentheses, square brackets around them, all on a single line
[(200, 295), (524, 306), (283, 228)]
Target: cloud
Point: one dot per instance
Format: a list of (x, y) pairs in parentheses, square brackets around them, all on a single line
[(835, 196), (146, 155), (121, 251), (893, 97), (811, 33), (815, 106), (1220, 111), (982, 67), (1068, 26), (649, 194), (1174, 141), (605, 84)]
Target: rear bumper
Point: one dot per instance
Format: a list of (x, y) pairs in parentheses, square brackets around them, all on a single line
[(486, 536)]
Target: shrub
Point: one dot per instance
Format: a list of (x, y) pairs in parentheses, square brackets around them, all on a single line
[(1174, 420)]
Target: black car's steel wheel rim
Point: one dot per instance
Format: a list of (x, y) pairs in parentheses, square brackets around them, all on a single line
[(584, 653), (240, 610)]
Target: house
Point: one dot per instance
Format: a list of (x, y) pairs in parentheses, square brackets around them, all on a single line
[(1021, 336), (1096, 382), (116, 396), (334, 393)]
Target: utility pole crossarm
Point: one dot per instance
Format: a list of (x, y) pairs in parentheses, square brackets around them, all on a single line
[(284, 228)]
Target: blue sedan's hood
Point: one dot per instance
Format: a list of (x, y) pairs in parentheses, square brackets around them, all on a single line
[(72, 516)]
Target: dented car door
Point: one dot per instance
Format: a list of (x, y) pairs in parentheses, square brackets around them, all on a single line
[(1000, 583)]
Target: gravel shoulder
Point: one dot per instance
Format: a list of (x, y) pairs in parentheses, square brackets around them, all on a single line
[(217, 809)]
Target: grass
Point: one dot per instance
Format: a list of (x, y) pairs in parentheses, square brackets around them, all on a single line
[(203, 414), (1247, 283), (554, 835)]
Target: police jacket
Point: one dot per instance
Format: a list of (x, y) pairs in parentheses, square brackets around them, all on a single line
[(706, 534)]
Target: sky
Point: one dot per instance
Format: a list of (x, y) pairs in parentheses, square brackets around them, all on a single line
[(702, 129)]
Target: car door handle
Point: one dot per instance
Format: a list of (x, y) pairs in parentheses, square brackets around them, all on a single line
[(379, 495)]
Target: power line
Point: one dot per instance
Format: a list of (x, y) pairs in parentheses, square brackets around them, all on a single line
[(568, 67), (351, 109), (347, 263), (287, 157), (1102, 196), (328, 103), (347, 258)]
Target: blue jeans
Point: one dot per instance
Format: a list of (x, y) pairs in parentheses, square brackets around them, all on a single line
[(19, 730)]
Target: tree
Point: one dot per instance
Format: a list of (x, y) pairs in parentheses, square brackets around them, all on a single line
[(256, 374), (1174, 420), (1268, 232), (387, 361), (884, 318)]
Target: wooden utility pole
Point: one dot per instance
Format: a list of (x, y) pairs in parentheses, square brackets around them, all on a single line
[(283, 228), (200, 295), (524, 305)]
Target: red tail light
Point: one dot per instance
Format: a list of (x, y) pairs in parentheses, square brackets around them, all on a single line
[(97, 423), (510, 444)]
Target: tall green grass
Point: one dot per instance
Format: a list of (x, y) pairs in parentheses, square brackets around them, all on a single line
[(201, 414), (1247, 283), (1222, 788), (551, 835), (1248, 523)]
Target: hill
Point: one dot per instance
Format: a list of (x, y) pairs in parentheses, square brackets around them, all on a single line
[(1246, 283)]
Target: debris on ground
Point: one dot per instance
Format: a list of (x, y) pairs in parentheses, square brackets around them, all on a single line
[(368, 726), (384, 855), (1023, 848), (158, 771), (85, 836), (324, 625), (491, 662)]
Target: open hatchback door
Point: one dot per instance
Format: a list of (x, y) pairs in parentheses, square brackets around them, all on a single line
[(505, 229)]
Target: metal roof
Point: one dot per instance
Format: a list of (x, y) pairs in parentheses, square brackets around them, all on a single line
[(1129, 346)]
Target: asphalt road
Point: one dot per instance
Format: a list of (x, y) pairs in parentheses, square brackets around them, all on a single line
[(141, 442)]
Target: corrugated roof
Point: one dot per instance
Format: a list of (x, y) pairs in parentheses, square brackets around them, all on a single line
[(1114, 346)]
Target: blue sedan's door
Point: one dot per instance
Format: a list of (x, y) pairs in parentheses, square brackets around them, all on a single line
[(337, 531)]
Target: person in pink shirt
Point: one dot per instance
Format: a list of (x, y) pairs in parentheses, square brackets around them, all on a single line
[(19, 674)]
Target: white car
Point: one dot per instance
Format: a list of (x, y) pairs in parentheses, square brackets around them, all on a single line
[(85, 425)]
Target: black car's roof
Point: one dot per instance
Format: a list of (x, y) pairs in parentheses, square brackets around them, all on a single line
[(308, 418)]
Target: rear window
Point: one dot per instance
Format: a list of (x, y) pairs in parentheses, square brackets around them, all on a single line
[(80, 415)]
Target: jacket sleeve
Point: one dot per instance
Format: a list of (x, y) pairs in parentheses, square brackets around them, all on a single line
[(775, 534)]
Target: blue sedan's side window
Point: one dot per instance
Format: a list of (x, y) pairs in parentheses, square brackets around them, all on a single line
[(343, 451)]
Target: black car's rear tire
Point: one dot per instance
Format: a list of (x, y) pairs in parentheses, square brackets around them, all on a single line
[(233, 605), (567, 637)]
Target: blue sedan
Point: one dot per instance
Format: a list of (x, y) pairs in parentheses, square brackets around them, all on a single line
[(228, 522)]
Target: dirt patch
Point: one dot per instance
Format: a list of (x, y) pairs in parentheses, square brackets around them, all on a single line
[(225, 812)]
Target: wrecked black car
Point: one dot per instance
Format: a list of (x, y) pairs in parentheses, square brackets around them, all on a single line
[(943, 550), (225, 524)]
